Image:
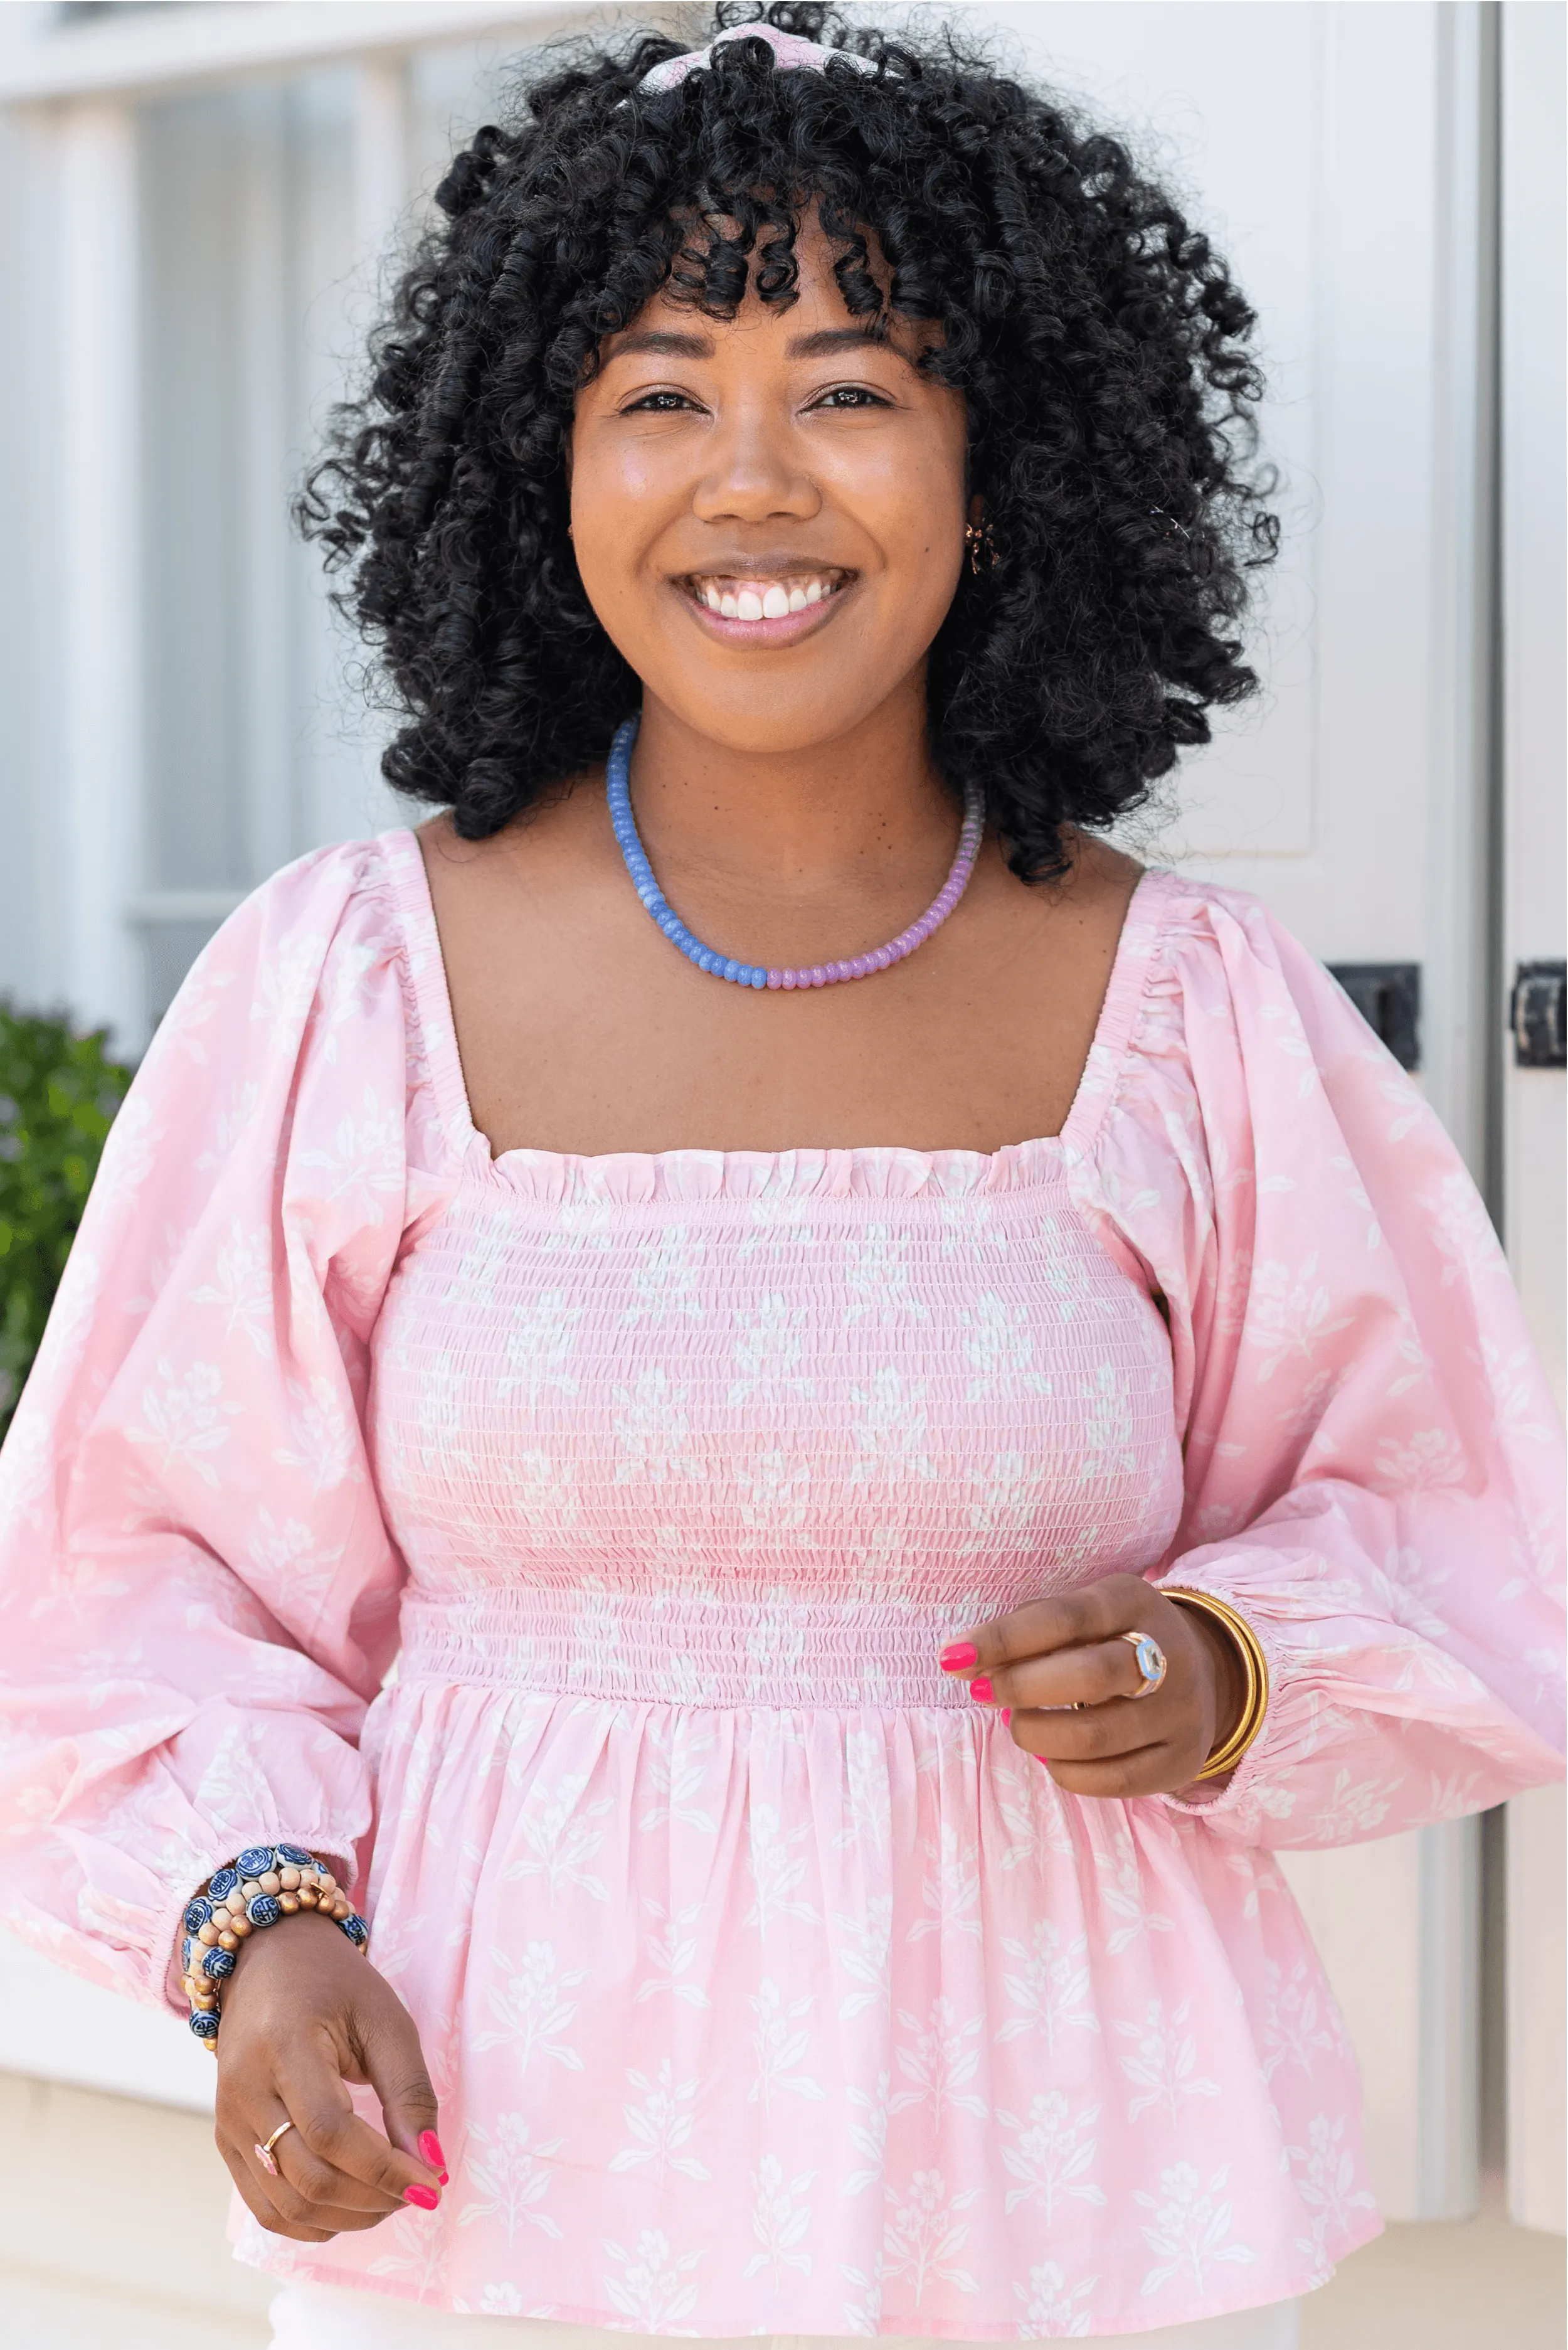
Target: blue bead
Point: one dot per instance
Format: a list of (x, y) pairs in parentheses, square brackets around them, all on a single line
[(186, 1947), (294, 1855), (759, 978), (732, 968), (204, 2025), (255, 1860), (197, 1913), (217, 1964), (354, 1926), (264, 1910), (222, 1883)]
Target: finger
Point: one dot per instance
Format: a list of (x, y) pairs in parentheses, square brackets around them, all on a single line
[(302, 2186), (258, 2202), (346, 2146), (319, 2182), (1085, 1675), (395, 2068), (1148, 1773), (1068, 1619), (1120, 1727)]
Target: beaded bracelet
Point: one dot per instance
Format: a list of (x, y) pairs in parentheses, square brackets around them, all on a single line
[(264, 1884), (1254, 1673)]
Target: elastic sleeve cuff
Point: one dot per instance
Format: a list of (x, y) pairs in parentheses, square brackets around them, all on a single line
[(164, 1984)]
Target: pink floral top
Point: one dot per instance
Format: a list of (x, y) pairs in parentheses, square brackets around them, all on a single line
[(766, 1985)]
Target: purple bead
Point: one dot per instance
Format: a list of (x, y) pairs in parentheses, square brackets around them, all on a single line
[(776, 979), (817, 976)]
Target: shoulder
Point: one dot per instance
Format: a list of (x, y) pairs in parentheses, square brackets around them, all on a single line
[(368, 877), (324, 941), (1205, 938), (1234, 1010), (342, 911)]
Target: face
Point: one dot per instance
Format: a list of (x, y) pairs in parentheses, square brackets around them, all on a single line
[(768, 511)]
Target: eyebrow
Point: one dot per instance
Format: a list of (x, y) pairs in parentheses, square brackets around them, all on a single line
[(668, 343)]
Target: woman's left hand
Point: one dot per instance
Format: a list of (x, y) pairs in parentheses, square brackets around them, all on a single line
[(1070, 1680)]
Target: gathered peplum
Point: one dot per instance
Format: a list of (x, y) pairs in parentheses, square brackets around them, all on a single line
[(567, 1544)]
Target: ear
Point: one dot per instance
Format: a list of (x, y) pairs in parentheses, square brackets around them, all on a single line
[(976, 511)]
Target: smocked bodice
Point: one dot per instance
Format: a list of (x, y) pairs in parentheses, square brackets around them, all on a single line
[(682, 1421)]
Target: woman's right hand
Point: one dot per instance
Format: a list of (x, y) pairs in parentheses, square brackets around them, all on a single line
[(304, 2014)]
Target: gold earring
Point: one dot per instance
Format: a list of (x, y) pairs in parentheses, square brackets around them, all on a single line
[(977, 537)]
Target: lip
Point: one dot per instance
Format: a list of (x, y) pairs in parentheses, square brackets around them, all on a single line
[(787, 630)]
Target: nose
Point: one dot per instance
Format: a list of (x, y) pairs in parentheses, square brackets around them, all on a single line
[(754, 474)]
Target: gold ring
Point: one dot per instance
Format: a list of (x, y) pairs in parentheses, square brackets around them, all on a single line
[(264, 2154), (1151, 1661)]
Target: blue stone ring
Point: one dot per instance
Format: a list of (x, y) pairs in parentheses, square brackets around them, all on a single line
[(1151, 1661)]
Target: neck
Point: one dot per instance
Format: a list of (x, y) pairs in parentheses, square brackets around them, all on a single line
[(797, 822)]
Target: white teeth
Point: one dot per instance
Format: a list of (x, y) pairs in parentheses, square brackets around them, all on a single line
[(770, 599)]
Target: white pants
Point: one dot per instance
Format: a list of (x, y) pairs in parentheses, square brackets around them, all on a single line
[(322, 2317)]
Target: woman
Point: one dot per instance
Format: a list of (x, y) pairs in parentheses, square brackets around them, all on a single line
[(893, 1477)]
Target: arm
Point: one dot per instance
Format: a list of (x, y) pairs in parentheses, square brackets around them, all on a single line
[(1373, 1465), (198, 1593), (1373, 1471)]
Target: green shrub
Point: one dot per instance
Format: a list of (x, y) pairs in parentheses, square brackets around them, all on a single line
[(58, 1095)]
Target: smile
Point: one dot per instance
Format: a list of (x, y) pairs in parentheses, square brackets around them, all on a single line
[(765, 610)]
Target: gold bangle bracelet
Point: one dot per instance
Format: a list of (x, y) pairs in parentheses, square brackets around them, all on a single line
[(1254, 1673)]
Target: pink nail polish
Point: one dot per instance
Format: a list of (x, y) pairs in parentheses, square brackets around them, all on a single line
[(429, 2152), (979, 1689), (425, 2197), (958, 1657)]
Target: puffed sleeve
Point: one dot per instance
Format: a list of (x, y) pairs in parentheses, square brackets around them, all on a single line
[(1373, 1464), (198, 1592)]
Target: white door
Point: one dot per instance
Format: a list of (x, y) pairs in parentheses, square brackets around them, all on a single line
[(1338, 154)]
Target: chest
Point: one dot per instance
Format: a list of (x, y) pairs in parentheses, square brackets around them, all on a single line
[(886, 1392), (581, 1029)]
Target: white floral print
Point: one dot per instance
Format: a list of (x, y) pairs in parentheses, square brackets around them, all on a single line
[(766, 1985)]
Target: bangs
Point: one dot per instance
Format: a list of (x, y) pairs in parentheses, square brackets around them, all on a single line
[(1100, 345)]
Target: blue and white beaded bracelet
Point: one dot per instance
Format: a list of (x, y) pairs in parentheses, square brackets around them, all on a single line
[(260, 1887)]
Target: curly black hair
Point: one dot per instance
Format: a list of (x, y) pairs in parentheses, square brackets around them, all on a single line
[(1099, 342)]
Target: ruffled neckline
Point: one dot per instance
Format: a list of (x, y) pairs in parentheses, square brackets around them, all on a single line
[(692, 1174), (865, 1172)]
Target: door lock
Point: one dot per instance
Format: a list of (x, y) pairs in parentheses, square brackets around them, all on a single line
[(1536, 1014), (1389, 997)]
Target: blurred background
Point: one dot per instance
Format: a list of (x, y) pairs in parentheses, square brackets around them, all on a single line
[(199, 202)]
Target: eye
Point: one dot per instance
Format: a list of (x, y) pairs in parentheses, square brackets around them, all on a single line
[(851, 395), (659, 403)]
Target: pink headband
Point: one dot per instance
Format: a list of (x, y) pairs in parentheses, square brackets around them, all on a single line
[(789, 51)]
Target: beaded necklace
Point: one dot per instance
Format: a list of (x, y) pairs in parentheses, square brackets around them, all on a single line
[(752, 974)]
